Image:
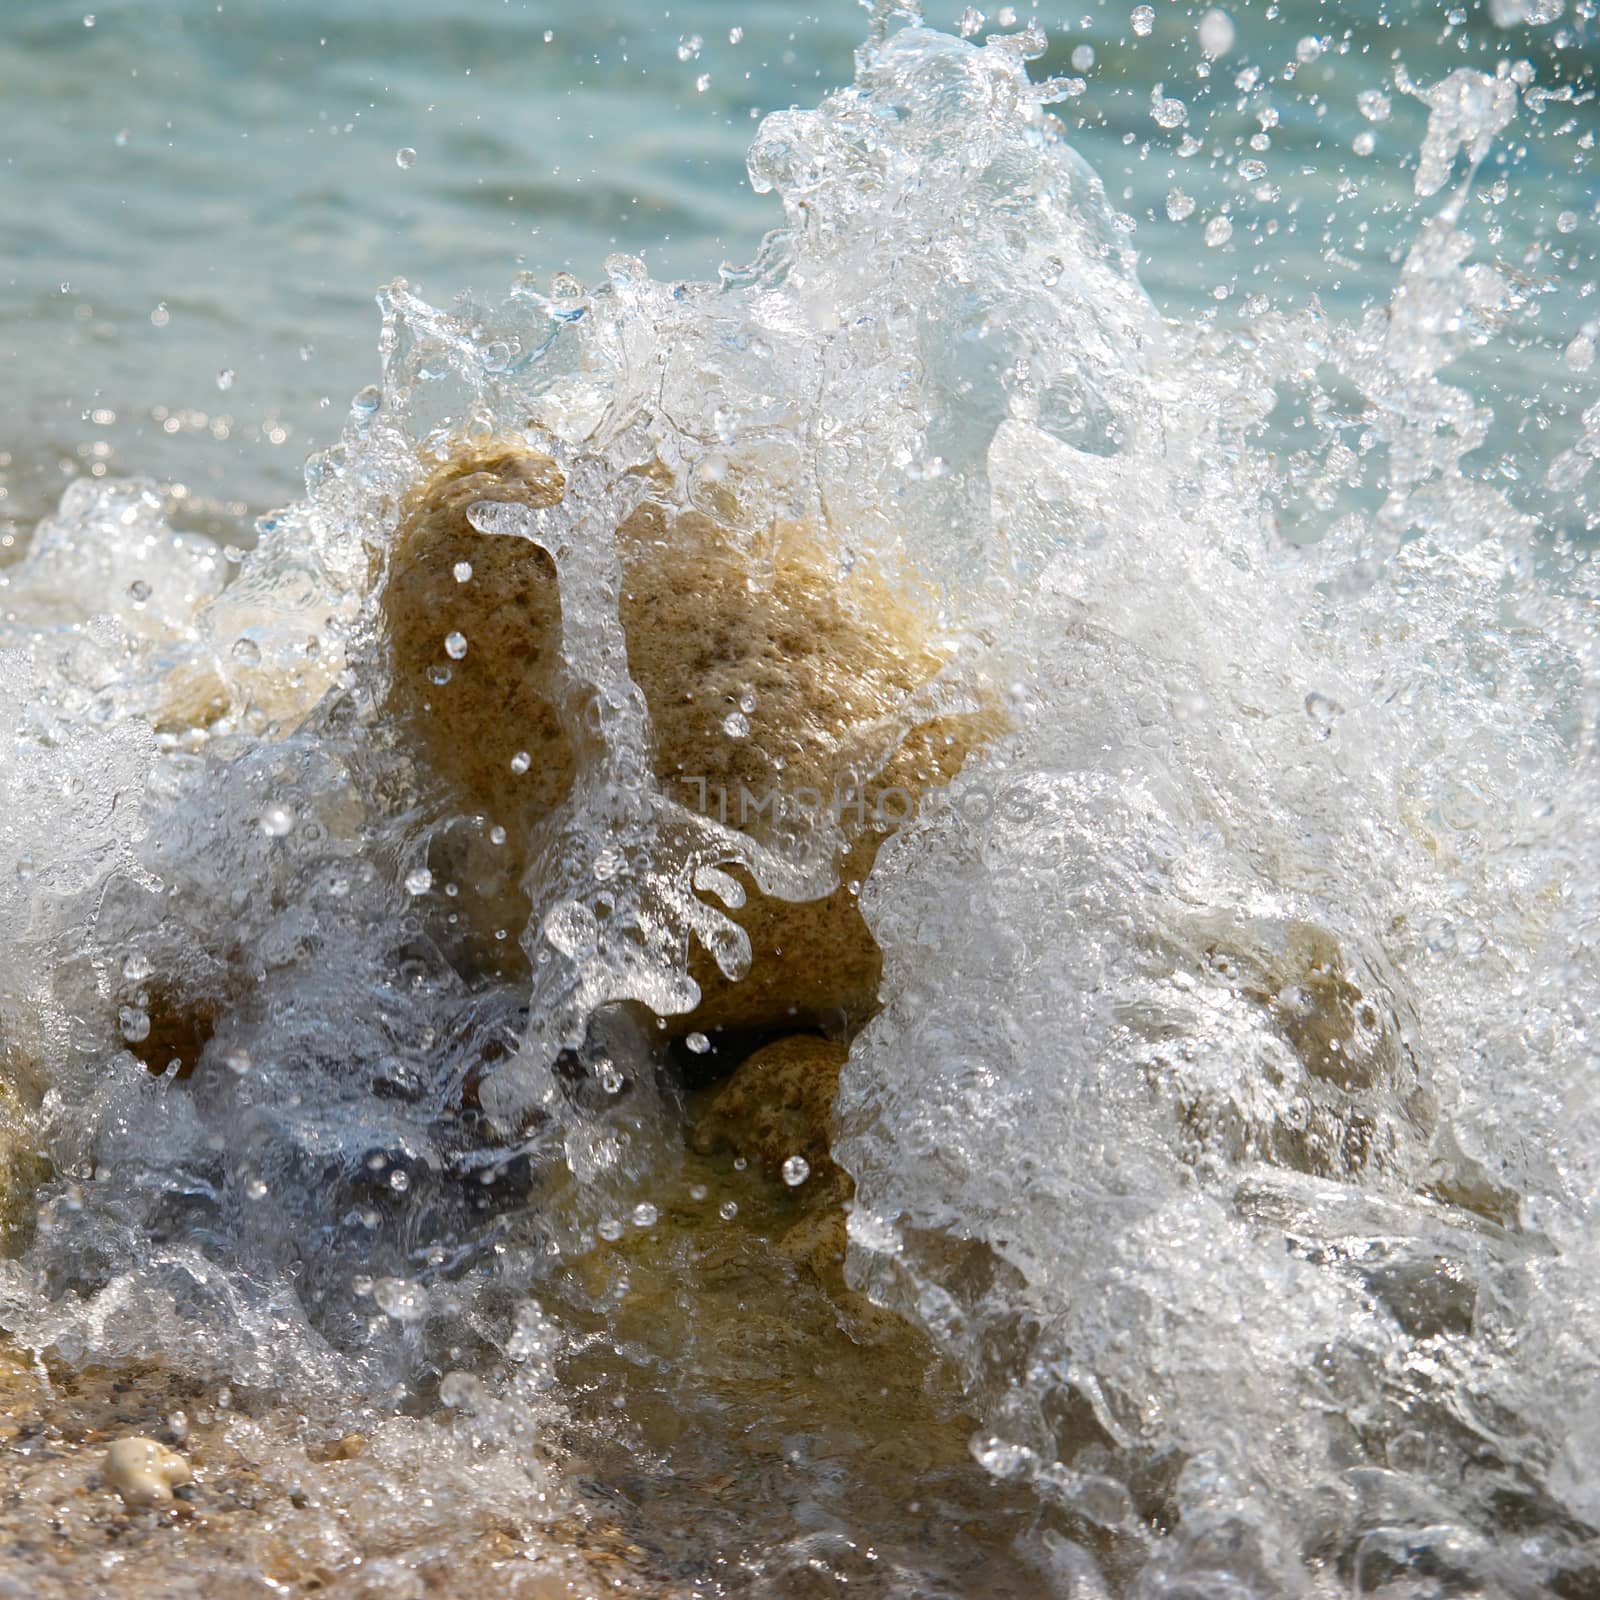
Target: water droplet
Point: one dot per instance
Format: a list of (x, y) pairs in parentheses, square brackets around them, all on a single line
[(225, 379), (405, 158), (160, 317), (971, 21), (1219, 230), (728, 1210), (246, 651), (136, 967), (1364, 142), (399, 1180), (735, 35), (1179, 205), (1083, 58), (609, 1229), (1143, 19), (736, 725), (697, 1191), (698, 1043), (255, 1188), (138, 591), (1216, 33), (418, 881), (88, 21), (1580, 353), (401, 1299), (702, 83), (1567, 222), (276, 821), (795, 1171), (1308, 49), (123, 135), (1374, 105), (689, 49), (455, 645), (520, 762), (366, 401), (135, 1024), (237, 1062), (1170, 113), (497, 834), (644, 1215), (462, 571)]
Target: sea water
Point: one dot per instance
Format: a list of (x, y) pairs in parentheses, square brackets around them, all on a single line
[(1228, 1131)]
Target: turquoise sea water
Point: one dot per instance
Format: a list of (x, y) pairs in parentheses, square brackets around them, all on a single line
[(200, 199)]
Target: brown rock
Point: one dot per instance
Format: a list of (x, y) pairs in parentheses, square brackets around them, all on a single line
[(819, 663), (778, 1104)]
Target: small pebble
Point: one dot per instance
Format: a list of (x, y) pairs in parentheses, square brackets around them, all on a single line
[(145, 1472)]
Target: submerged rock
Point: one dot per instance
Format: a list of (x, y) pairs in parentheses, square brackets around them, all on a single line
[(767, 676), (778, 1106), (21, 1165)]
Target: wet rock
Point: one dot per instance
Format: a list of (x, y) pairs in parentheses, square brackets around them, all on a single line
[(22, 1168), (145, 1472), (769, 679), (779, 1105)]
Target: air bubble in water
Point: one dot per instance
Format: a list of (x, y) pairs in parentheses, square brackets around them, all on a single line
[(520, 762), (644, 1215), (609, 1229), (736, 725), (405, 158), (1143, 20), (795, 1171), (246, 652), (698, 1043), (728, 1210), (135, 1024), (462, 571), (461, 1391), (455, 645), (1216, 33), (418, 881), (401, 1299), (139, 591), (136, 967), (1374, 105), (276, 821), (399, 1180)]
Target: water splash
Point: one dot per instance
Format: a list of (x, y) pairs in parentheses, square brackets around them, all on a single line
[(1227, 1121)]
